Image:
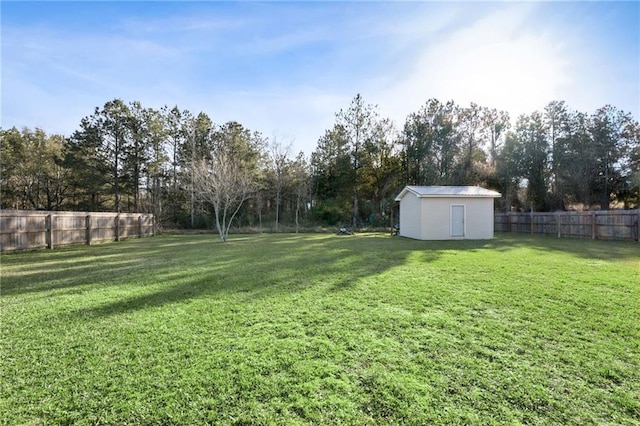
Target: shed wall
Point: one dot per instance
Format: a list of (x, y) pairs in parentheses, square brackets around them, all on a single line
[(410, 217), (432, 219), (435, 218), (479, 220)]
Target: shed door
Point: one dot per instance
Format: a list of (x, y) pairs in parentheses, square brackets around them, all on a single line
[(457, 221)]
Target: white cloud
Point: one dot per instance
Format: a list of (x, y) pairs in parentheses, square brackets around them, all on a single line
[(289, 68), (495, 62)]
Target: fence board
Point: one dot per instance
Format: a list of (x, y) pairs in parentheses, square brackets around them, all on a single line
[(606, 224), (27, 230)]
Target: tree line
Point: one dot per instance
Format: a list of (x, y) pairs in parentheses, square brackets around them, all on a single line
[(193, 173)]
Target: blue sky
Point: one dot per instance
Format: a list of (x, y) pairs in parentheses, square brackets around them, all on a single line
[(286, 68)]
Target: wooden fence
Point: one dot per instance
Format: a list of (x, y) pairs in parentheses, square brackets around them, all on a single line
[(27, 230), (604, 225)]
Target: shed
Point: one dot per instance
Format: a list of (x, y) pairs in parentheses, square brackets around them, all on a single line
[(446, 212)]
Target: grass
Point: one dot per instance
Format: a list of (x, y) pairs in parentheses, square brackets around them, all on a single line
[(322, 329)]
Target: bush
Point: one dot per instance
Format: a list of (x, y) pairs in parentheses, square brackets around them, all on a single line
[(331, 213)]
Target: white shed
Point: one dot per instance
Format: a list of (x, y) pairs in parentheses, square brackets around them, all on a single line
[(446, 212)]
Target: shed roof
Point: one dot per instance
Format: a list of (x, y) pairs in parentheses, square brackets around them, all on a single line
[(448, 191)]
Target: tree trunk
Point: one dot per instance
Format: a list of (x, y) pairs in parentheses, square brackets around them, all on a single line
[(191, 208), (174, 197), (297, 212), (355, 210), (277, 208)]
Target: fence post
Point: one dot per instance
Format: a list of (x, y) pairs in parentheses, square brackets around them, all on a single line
[(509, 222), (594, 232), (139, 226), (559, 223), (88, 232), (48, 226), (638, 227), (117, 223)]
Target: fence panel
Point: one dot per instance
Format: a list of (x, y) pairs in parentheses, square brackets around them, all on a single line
[(23, 231), (27, 230), (605, 225)]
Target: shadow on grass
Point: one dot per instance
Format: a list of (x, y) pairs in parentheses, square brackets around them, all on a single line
[(171, 269), (584, 248), (82, 266), (265, 266)]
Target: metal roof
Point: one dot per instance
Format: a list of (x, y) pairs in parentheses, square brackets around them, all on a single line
[(448, 191)]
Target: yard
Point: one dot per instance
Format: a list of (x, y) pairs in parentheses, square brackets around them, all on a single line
[(322, 329)]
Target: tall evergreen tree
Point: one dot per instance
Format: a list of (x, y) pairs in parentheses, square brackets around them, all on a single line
[(332, 176), (158, 161), (33, 172), (611, 148), (431, 144), (358, 122), (111, 126), (135, 159), (177, 127), (530, 132), (470, 127), (90, 168), (557, 119)]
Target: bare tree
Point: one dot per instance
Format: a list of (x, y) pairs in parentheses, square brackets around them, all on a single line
[(300, 182), (278, 157), (226, 185)]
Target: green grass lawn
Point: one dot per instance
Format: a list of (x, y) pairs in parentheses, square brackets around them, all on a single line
[(322, 329)]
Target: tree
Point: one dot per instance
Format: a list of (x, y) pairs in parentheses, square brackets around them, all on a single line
[(332, 176), (431, 144), (246, 148), (157, 161), (417, 140), (12, 148), (235, 140), (128, 157), (575, 162), (33, 173), (557, 119), (110, 128), (177, 128), (510, 169), (609, 129), (224, 183), (495, 123), (381, 176), (633, 180), (197, 147), (530, 133), (300, 182), (90, 168), (278, 159), (331, 164), (359, 124), (113, 123), (136, 156), (470, 126)]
